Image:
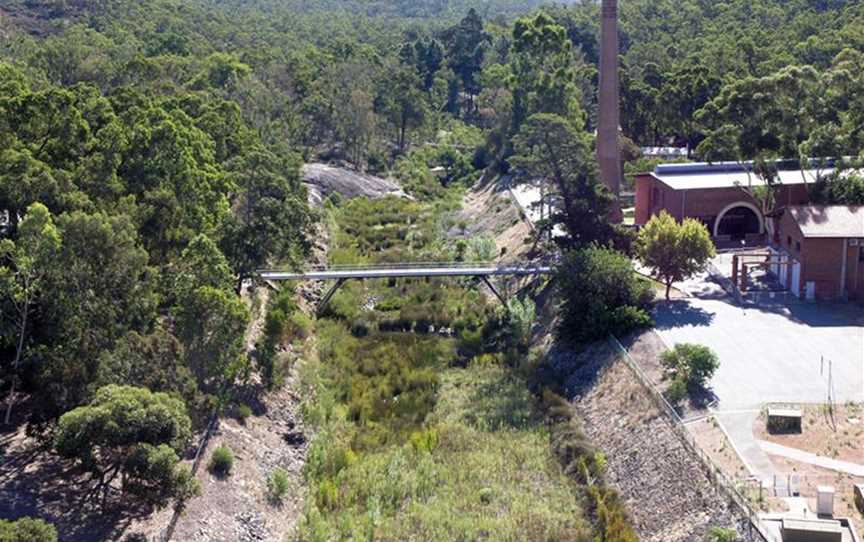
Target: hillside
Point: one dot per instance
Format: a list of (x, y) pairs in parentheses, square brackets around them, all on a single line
[(156, 155)]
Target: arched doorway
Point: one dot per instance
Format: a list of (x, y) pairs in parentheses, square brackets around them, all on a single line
[(739, 220)]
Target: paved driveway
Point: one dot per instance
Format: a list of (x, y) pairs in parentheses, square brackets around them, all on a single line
[(770, 354), (773, 353)]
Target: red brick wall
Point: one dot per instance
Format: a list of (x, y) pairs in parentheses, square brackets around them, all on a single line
[(644, 182), (855, 273), (790, 239), (822, 262), (652, 196)]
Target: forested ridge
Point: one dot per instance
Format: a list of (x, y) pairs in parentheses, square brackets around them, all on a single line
[(151, 153)]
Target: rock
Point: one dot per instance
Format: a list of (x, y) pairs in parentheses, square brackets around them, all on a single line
[(295, 438), (322, 180)]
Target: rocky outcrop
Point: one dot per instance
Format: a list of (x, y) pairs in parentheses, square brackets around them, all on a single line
[(321, 180)]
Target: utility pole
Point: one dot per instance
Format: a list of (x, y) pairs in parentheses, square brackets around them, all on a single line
[(609, 118)]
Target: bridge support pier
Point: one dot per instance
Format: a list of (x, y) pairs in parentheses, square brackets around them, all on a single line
[(494, 290), (326, 299)]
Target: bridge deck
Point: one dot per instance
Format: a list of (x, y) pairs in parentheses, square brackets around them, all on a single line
[(408, 272)]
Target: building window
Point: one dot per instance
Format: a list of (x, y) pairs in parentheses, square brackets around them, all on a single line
[(789, 240), (797, 246), (861, 254)]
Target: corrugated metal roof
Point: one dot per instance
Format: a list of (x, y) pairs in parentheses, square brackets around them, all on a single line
[(690, 177), (829, 220)]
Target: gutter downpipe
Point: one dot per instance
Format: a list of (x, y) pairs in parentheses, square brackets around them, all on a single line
[(683, 204), (843, 292)]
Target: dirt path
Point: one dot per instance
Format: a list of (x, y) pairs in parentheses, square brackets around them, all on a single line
[(238, 507)]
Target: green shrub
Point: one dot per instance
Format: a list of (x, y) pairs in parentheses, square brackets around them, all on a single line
[(486, 360), (691, 363), (222, 461), (186, 486), (277, 484), (720, 534), (301, 325), (470, 343), (283, 324), (27, 530), (486, 495), (601, 295), (244, 412), (425, 441), (611, 521), (328, 495), (676, 392)]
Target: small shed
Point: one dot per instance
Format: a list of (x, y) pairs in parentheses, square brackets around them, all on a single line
[(811, 530), (784, 420)]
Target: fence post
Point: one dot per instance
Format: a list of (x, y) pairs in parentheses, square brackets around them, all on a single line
[(718, 480)]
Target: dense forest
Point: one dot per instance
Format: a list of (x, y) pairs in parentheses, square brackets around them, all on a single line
[(151, 153)]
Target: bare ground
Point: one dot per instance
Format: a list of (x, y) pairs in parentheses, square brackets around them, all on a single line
[(488, 209), (237, 507), (709, 436), (36, 482), (837, 434)]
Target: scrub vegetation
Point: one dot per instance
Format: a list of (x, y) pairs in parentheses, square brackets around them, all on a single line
[(151, 160), (426, 426)]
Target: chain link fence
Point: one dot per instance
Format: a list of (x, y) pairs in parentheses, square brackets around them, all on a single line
[(725, 484)]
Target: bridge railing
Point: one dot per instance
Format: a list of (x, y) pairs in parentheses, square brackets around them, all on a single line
[(378, 266)]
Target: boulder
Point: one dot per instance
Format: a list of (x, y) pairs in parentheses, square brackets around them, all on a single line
[(321, 180)]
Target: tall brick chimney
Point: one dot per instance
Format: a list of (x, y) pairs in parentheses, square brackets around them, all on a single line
[(608, 151)]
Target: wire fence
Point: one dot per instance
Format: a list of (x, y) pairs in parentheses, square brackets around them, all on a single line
[(715, 474)]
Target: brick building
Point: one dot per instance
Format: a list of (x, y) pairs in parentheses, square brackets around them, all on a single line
[(819, 250), (714, 194), (825, 245)]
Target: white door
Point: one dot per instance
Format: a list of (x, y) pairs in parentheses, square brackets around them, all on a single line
[(811, 291), (795, 287)]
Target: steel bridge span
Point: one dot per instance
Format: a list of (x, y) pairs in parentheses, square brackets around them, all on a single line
[(340, 274)]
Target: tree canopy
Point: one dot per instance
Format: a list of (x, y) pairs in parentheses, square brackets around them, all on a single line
[(133, 432), (674, 251)]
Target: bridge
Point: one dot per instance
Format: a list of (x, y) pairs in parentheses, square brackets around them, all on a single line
[(342, 273)]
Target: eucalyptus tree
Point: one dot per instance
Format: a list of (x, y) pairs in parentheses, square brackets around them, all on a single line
[(551, 148), (133, 433), (22, 277)]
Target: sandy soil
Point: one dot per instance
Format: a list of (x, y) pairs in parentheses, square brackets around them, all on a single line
[(840, 436), (713, 441)]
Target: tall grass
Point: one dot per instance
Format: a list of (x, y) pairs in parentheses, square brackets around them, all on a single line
[(423, 432)]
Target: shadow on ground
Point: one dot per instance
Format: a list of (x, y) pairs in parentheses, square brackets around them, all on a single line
[(813, 314), (37, 483), (680, 313)]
